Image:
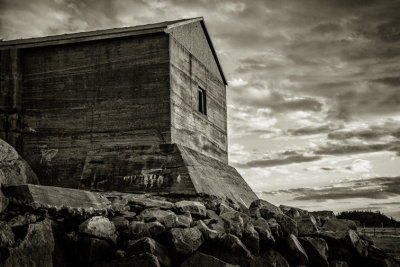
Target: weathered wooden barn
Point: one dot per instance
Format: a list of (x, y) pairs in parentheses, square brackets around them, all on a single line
[(129, 109)]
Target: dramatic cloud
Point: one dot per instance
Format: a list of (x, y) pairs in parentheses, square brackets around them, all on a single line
[(283, 158), (375, 188)]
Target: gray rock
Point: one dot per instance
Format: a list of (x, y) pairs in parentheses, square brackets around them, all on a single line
[(35, 249), (355, 242), (267, 210), (377, 257), (274, 258), (3, 201), (275, 228), (138, 229), (185, 240), (306, 225), (288, 225), (293, 251), (121, 223), (100, 227), (14, 170), (262, 227), (293, 212), (251, 238), (228, 248), (317, 250), (184, 220), (146, 244), (223, 208), (233, 223), (166, 217), (338, 264), (88, 250), (207, 232), (201, 259), (338, 225), (6, 235), (194, 207), (141, 260)]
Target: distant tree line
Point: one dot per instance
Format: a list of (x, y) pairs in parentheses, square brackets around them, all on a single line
[(369, 218)]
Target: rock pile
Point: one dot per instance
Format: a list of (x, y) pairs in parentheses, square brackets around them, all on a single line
[(53, 226), (115, 229)]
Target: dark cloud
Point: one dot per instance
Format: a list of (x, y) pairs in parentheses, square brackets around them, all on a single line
[(349, 148), (390, 31), (310, 130), (374, 188), (284, 158), (327, 28)]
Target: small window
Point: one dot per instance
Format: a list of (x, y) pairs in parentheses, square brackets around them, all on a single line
[(202, 101)]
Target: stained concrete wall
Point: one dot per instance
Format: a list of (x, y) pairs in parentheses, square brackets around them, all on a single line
[(168, 168), (193, 38), (204, 133), (83, 96)]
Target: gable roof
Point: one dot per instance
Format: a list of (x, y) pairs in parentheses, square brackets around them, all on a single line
[(112, 33)]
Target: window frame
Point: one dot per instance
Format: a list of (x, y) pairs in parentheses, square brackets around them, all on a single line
[(202, 101)]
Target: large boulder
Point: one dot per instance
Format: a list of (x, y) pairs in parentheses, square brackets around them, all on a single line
[(292, 250), (6, 235), (137, 229), (317, 251), (251, 238), (274, 258), (139, 202), (288, 225), (146, 244), (142, 260), (3, 201), (339, 225), (359, 245), (35, 249), (194, 207), (166, 217), (262, 227), (378, 257), (14, 169), (293, 212), (100, 227), (306, 225), (207, 232), (233, 223), (201, 259), (265, 209), (228, 248), (185, 240), (51, 197)]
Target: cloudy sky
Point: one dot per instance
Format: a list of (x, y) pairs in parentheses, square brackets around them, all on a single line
[(314, 87)]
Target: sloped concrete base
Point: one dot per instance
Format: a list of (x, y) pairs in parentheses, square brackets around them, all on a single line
[(168, 168)]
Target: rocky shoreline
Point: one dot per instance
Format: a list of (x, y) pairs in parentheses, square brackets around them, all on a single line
[(54, 226), (85, 228)]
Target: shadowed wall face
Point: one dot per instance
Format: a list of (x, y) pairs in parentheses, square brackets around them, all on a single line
[(193, 67), (83, 96)]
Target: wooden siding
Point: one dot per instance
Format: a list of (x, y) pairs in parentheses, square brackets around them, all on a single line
[(204, 133), (81, 97)]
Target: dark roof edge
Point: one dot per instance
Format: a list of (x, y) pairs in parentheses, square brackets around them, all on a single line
[(112, 33), (69, 37)]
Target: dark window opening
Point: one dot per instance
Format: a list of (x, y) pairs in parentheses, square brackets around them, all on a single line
[(202, 101)]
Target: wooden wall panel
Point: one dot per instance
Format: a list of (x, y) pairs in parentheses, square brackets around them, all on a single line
[(81, 97), (190, 128)]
